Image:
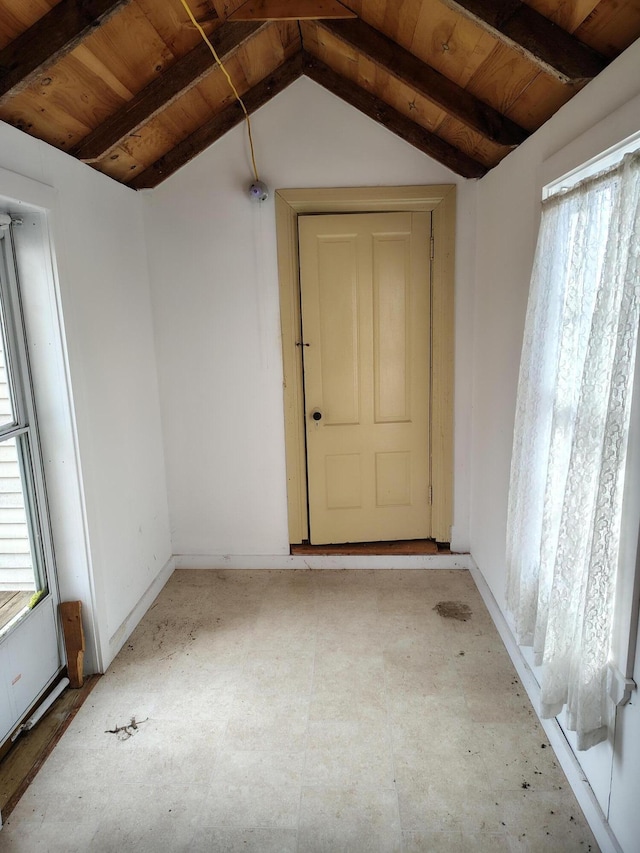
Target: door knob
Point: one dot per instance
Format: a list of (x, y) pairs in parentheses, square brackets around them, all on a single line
[(316, 415)]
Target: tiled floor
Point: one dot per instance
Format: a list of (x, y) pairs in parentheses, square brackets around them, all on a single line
[(316, 711)]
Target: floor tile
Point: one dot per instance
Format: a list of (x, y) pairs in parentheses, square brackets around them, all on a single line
[(349, 754), (226, 840), (58, 837), (268, 721), (445, 793), (516, 757), (152, 817), (349, 820), (545, 820), (411, 668), (255, 789), (430, 724), (455, 842), (284, 670)]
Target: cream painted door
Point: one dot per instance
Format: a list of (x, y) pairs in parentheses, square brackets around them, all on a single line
[(365, 293)]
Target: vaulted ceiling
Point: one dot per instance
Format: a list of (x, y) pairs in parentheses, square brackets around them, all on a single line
[(130, 87)]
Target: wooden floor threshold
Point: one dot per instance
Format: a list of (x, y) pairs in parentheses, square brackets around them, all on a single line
[(419, 547), (23, 759)]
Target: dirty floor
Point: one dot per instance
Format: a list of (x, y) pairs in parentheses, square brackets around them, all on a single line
[(317, 712)]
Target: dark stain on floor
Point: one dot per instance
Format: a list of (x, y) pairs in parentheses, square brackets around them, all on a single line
[(453, 610)]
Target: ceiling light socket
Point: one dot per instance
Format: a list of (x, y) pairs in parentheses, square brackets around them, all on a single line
[(258, 191)]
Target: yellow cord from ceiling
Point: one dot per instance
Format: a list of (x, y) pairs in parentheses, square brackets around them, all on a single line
[(229, 80)]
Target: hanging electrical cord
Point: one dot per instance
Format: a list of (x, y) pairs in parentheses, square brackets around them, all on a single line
[(230, 81)]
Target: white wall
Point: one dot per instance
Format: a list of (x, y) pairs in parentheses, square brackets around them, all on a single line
[(508, 202), (109, 510), (212, 256)]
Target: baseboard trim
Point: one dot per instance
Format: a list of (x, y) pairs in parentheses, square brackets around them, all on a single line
[(120, 637), (565, 755), (286, 561)]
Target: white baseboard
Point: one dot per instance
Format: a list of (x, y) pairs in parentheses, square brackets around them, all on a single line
[(565, 755), (120, 637), (286, 561)]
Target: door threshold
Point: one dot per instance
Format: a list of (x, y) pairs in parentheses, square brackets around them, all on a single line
[(20, 761), (402, 547)]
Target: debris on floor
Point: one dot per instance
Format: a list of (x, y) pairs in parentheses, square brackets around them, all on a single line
[(453, 610), (125, 732)]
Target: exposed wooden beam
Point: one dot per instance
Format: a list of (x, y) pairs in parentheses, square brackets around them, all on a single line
[(285, 10), (408, 69), (185, 73), (220, 124), (393, 120), (551, 48), (49, 39)]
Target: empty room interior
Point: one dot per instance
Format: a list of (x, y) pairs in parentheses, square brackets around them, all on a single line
[(319, 425)]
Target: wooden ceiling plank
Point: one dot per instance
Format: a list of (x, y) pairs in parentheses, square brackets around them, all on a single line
[(285, 10), (130, 46), (539, 101), (374, 12), (450, 43), (544, 43), (168, 129), (16, 17), (119, 165), (263, 54), (92, 63), (502, 78), (49, 39), (216, 91), (568, 14), (183, 75), (364, 72), (170, 21), (475, 145), (611, 27), (408, 69), (408, 103), (378, 110), (289, 34), (220, 124), (401, 20)]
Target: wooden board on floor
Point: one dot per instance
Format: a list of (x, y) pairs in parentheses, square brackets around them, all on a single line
[(20, 764)]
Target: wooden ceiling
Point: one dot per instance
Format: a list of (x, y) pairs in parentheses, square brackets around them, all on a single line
[(130, 87)]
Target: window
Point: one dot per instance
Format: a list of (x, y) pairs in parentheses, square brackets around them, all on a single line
[(571, 434)]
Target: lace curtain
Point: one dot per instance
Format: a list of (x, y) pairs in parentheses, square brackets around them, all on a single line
[(572, 420)]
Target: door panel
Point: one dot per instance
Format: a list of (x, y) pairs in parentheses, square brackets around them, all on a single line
[(30, 652), (391, 328), (30, 660), (337, 330), (365, 295)]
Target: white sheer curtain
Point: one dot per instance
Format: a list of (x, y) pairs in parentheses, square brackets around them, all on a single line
[(572, 419)]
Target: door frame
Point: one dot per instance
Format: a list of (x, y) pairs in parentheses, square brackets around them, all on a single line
[(440, 200)]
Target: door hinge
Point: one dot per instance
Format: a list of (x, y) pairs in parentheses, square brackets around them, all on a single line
[(430, 494), (6, 220), (433, 247)]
